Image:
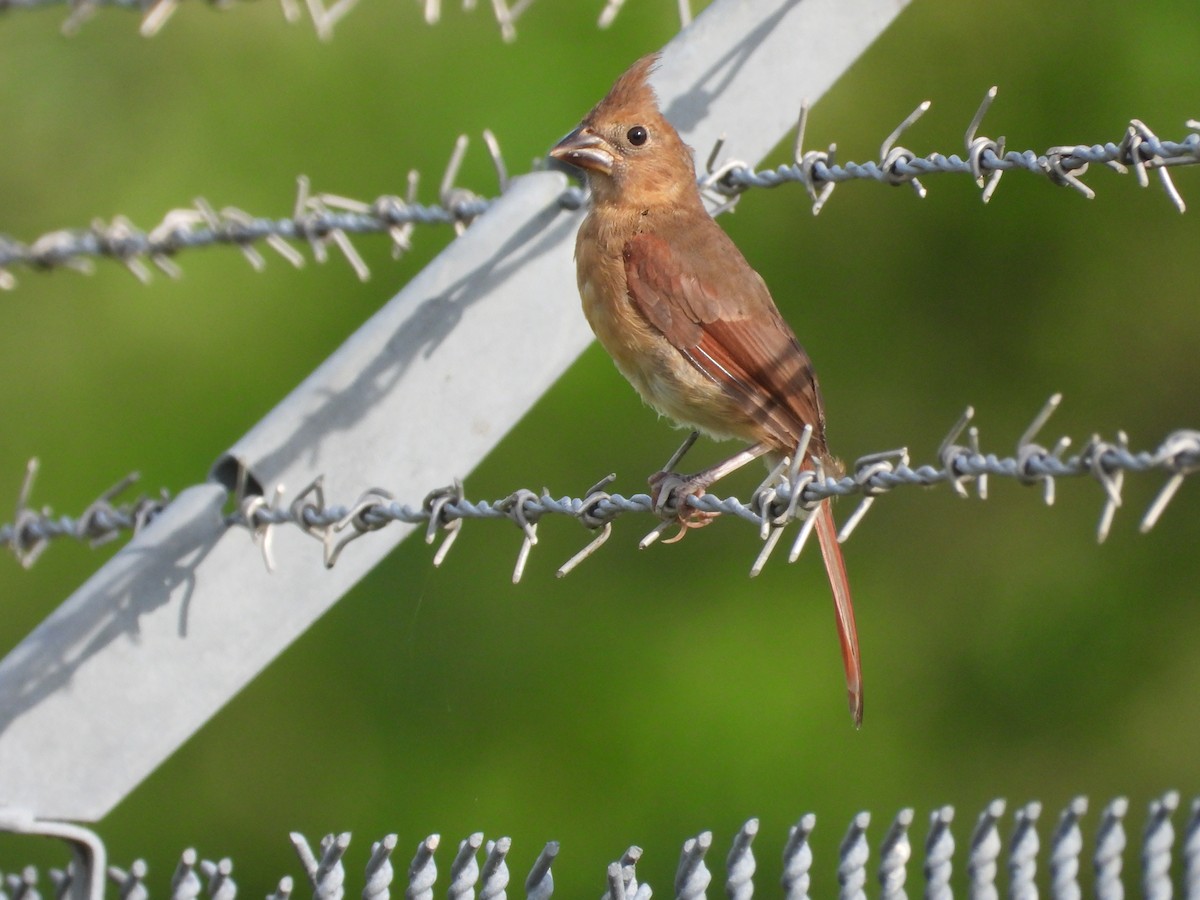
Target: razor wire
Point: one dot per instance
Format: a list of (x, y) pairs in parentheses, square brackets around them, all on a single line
[(156, 13), (326, 220), (787, 495), (1061, 861)]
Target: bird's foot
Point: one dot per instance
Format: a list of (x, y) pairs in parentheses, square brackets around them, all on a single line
[(670, 491)]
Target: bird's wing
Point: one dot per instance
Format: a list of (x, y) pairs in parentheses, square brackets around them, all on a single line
[(717, 312)]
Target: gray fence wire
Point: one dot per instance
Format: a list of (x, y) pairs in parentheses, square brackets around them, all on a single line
[(783, 498), (325, 221), (1062, 859)]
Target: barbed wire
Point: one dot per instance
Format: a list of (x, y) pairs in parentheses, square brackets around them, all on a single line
[(325, 220), (322, 220), (1139, 149), (325, 866), (156, 13), (787, 495)]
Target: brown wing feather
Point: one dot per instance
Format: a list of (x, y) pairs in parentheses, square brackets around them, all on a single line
[(720, 316)]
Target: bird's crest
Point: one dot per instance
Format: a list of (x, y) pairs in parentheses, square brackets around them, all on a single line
[(632, 91)]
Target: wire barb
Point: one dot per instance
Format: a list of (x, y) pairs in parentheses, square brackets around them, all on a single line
[(1034, 462), (1180, 454), (894, 854), (494, 875), (590, 517), (740, 865), (360, 519), (778, 508), (221, 885), (797, 859), (1110, 851), (248, 508), (622, 878), (853, 855), (1023, 849), (806, 161), (867, 471), (984, 850), (939, 855), (1157, 843), (379, 869), (422, 871), (514, 506), (1065, 846), (891, 157), (435, 504), (1111, 482), (692, 877), (978, 146), (950, 451), (539, 885)]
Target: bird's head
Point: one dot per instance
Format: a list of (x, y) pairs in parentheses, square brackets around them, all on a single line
[(629, 152)]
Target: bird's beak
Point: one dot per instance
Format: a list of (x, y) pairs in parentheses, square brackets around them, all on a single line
[(585, 149)]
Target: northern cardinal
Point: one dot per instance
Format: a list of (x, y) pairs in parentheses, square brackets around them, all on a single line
[(685, 318)]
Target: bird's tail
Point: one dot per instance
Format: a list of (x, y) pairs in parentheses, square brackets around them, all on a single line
[(843, 606)]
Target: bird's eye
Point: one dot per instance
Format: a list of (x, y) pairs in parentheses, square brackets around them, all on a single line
[(637, 135)]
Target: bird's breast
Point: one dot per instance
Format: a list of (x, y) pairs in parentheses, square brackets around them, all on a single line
[(658, 371)]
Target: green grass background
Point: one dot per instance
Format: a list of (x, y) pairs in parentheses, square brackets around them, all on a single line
[(652, 694)]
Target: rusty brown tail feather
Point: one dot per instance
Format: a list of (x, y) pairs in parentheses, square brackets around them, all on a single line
[(843, 606)]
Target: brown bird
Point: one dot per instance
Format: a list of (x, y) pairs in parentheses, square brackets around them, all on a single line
[(685, 318)]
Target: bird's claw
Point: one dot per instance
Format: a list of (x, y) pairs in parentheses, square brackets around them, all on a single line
[(669, 492)]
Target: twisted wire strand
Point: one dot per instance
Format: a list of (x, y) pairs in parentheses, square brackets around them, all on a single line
[(465, 877), (326, 221), (784, 497), (985, 159), (322, 220)]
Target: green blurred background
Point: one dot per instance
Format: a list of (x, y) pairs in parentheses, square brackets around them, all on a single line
[(652, 694)]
